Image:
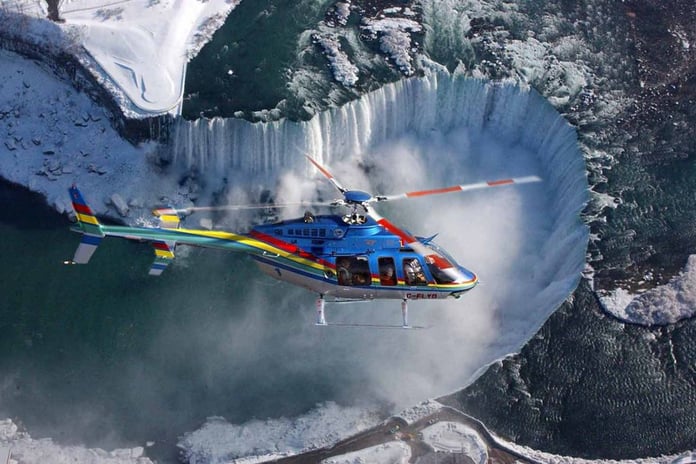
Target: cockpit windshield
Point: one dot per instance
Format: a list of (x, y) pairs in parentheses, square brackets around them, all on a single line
[(442, 266), (441, 251)]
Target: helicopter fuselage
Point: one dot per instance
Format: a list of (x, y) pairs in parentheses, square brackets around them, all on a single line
[(356, 258)]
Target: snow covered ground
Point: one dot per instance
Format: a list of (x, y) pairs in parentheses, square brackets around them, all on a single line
[(53, 136), (218, 441), (392, 452), (141, 45), (454, 437)]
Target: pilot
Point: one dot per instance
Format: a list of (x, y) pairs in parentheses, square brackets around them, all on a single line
[(414, 272)]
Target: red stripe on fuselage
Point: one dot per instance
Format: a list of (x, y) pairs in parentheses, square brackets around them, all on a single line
[(289, 247)]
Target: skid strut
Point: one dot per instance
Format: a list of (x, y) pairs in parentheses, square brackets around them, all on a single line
[(404, 313), (321, 319)]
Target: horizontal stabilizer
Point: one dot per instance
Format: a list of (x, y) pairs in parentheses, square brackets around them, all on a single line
[(85, 250), (169, 221), (159, 265)]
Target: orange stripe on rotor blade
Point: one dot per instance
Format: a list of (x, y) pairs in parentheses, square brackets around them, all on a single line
[(321, 168), (494, 183), (421, 193)]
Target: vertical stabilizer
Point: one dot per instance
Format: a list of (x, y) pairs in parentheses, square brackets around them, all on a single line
[(89, 226)]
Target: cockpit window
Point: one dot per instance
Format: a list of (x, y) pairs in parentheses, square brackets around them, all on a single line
[(439, 269)]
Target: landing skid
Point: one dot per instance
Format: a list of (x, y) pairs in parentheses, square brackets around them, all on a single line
[(375, 326), (321, 316)]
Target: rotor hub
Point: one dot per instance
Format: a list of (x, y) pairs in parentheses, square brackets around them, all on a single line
[(356, 196)]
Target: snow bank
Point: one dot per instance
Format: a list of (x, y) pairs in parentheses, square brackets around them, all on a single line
[(26, 450), (665, 304), (418, 412), (343, 70), (394, 36), (218, 441), (52, 136)]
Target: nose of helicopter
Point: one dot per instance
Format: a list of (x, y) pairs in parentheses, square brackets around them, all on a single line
[(468, 276)]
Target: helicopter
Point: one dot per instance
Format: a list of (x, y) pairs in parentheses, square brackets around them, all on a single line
[(356, 256)]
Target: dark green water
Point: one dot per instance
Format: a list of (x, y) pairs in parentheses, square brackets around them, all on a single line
[(107, 355), (259, 43)]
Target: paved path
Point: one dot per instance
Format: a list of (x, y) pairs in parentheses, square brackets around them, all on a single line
[(397, 429)]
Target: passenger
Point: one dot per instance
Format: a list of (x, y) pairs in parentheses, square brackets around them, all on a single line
[(386, 275), (343, 271), (360, 279), (308, 217)]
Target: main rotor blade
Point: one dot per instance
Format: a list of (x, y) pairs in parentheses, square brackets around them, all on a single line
[(327, 174), (457, 188)]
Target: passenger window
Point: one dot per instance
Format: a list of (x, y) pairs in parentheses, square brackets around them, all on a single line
[(387, 271), (353, 270), (413, 272)]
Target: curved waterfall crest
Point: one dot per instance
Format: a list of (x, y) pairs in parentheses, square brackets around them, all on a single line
[(436, 101)]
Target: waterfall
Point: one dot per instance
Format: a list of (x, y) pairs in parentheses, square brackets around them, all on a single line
[(548, 231), (417, 105)]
